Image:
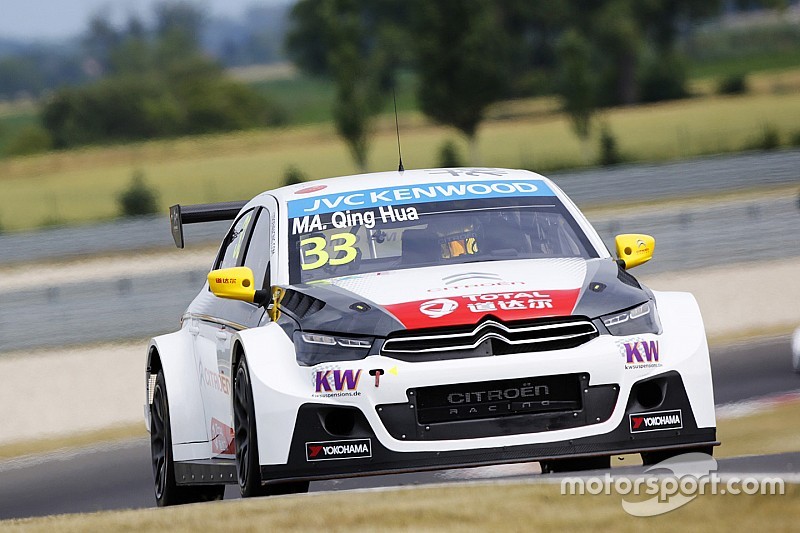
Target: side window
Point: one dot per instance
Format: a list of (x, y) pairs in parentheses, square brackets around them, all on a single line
[(232, 248), (257, 256)]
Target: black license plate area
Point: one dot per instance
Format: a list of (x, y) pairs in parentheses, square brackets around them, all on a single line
[(492, 399)]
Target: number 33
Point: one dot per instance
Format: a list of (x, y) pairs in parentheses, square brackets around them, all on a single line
[(317, 250)]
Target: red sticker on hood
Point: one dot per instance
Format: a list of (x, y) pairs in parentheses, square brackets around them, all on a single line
[(470, 308)]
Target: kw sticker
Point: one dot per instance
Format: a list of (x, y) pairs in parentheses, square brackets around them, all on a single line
[(336, 382), (640, 354)]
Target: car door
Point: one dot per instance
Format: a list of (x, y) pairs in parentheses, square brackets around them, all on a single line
[(248, 244)]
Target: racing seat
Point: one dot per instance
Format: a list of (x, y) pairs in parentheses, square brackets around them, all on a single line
[(507, 239), (420, 247)]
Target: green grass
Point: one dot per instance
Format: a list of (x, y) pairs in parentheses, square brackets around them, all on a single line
[(507, 507), (305, 100), (82, 185), (12, 122), (759, 62), (309, 100)]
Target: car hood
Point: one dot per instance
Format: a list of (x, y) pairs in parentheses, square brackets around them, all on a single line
[(380, 302)]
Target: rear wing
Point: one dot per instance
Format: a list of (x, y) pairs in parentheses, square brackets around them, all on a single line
[(193, 214)]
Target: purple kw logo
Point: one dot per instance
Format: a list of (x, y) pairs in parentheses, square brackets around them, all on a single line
[(641, 352), (342, 380)]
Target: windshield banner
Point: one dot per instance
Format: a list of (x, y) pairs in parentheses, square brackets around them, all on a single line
[(415, 194)]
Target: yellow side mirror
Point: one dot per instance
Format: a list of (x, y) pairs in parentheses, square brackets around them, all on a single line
[(635, 249), (235, 283)]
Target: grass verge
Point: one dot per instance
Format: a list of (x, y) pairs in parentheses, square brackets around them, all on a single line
[(457, 508), (763, 433)]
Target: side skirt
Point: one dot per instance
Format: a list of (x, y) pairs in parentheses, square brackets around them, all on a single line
[(206, 472)]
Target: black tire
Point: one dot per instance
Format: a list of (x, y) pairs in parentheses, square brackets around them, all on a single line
[(575, 464), (248, 468), (167, 491), (655, 457)]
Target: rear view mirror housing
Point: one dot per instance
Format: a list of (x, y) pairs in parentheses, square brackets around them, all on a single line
[(634, 249), (236, 283)]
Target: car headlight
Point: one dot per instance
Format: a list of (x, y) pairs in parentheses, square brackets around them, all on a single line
[(640, 319), (315, 348)]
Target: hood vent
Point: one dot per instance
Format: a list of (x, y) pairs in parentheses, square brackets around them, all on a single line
[(301, 305), (490, 337)]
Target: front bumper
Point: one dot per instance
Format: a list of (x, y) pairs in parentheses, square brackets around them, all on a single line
[(359, 452)]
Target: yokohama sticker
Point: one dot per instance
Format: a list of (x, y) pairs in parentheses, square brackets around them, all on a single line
[(339, 449), (658, 421)]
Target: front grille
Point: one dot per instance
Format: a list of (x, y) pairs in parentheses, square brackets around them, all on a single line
[(513, 406), (500, 398), (490, 337)]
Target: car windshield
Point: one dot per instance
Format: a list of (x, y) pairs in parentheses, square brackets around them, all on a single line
[(348, 242)]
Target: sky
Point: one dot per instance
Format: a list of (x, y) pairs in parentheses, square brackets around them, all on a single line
[(56, 19)]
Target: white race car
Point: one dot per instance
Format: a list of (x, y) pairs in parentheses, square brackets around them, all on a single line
[(418, 320)]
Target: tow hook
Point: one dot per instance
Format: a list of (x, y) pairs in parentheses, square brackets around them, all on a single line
[(377, 373)]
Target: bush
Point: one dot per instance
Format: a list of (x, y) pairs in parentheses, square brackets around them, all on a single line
[(31, 140), (52, 221), (196, 98), (795, 139), (138, 198), (733, 84), (609, 152), (293, 176), (449, 156), (664, 78), (770, 138)]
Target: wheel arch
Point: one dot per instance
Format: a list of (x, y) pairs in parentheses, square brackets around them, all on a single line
[(173, 355), (684, 342), (237, 353), (151, 369)]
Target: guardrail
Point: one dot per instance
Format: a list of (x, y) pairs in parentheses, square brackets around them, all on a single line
[(137, 307)]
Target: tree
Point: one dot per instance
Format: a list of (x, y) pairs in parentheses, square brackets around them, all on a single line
[(462, 57), (100, 39), (351, 42), (178, 29), (159, 84), (577, 86), (618, 41)]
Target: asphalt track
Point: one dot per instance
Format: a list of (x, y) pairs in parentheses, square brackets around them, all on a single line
[(118, 476)]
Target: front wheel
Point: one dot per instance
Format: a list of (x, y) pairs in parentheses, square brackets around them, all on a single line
[(167, 491), (248, 467)]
